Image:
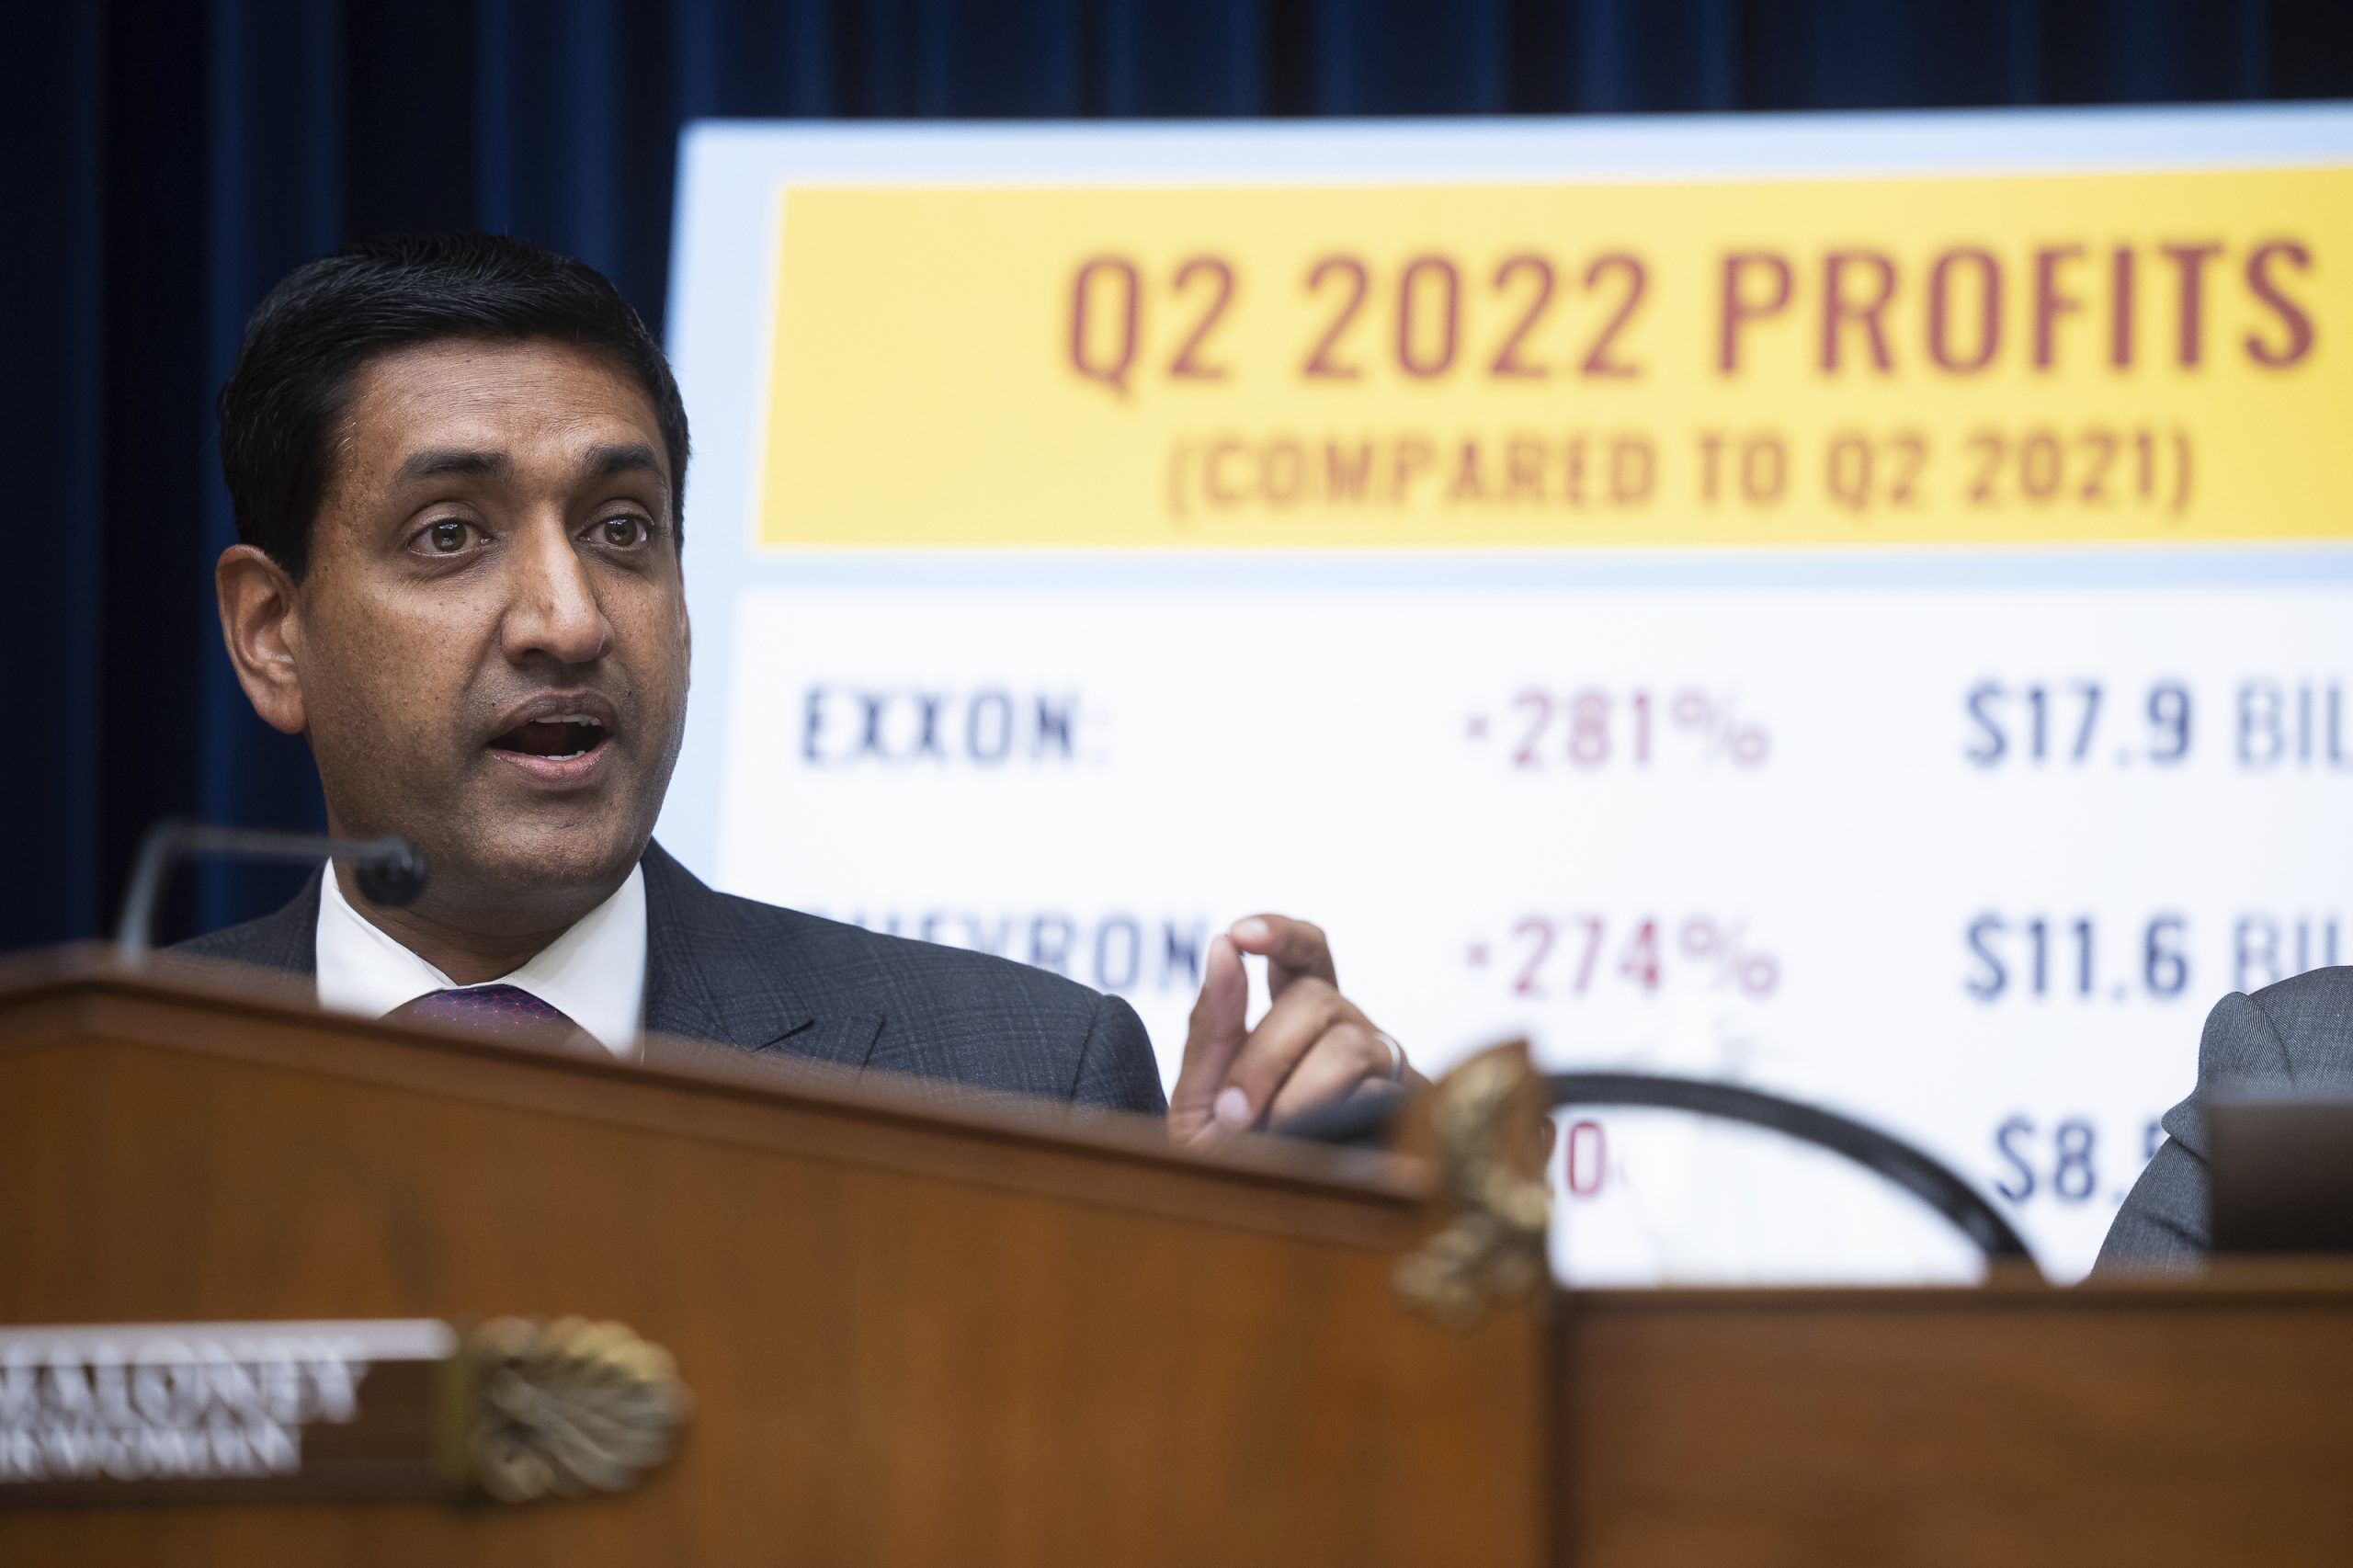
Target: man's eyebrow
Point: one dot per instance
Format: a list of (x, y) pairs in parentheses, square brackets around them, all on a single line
[(598, 462), (604, 462), (435, 461)]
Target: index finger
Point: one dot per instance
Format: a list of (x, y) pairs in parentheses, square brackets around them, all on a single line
[(1293, 950), (1212, 1039)]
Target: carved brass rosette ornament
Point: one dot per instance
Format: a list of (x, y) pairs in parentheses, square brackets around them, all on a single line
[(561, 1409), (1481, 1130)]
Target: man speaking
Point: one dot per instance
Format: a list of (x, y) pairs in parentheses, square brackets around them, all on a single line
[(458, 464)]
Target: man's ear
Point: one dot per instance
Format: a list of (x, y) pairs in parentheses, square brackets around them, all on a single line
[(259, 624)]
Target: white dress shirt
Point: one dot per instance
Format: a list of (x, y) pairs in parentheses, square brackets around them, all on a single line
[(594, 974)]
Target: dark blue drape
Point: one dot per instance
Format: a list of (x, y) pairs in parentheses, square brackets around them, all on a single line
[(168, 162)]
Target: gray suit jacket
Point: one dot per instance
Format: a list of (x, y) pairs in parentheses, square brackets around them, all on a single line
[(762, 979), (2297, 1034)]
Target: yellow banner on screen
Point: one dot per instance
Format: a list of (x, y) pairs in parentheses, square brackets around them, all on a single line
[(2061, 358)]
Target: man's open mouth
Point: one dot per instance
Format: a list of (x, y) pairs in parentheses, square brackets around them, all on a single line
[(562, 737)]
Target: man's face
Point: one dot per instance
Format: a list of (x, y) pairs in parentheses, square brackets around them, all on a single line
[(492, 637)]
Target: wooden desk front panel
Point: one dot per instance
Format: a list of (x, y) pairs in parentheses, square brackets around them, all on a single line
[(908, 1345), (2010, 1427)]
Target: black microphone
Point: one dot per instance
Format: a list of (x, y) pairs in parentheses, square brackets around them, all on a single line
[(391, 871)]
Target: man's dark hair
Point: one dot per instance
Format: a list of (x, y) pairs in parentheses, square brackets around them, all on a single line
[(291, 385)]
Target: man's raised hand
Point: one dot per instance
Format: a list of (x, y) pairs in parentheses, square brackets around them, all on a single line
[(1312, 1047)]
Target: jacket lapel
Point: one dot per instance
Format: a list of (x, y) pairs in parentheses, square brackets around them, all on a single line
[(287, 938), (707, 977)]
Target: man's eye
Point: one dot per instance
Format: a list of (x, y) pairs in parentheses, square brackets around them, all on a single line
[(448, 538), (623, 530)]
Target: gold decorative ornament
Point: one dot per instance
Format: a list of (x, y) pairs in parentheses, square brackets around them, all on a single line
[(1491, 1248), (562, 1409)]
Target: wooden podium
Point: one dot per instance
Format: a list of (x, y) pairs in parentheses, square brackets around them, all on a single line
[(925, 1332)]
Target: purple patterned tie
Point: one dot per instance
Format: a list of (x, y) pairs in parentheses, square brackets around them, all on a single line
[(493, 1009)]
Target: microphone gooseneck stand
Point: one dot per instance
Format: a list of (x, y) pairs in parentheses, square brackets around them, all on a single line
[(392, 870)]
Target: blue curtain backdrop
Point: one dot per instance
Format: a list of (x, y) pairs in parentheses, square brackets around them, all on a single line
[(168, 162)]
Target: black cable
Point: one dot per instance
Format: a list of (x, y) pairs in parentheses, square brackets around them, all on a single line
[(1917, 1172), (1367, 1117)]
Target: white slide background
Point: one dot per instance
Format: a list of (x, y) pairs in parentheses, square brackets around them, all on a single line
[(1962, 843)]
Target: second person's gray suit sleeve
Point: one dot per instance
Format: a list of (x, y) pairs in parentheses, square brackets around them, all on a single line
[(2164, 1222)]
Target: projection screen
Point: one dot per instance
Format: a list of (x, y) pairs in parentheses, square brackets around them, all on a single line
[(1857, 606)]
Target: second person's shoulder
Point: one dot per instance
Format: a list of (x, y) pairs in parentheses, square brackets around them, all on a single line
[(2312, 1014)]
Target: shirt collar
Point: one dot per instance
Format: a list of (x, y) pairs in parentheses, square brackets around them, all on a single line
[(594, 974)]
